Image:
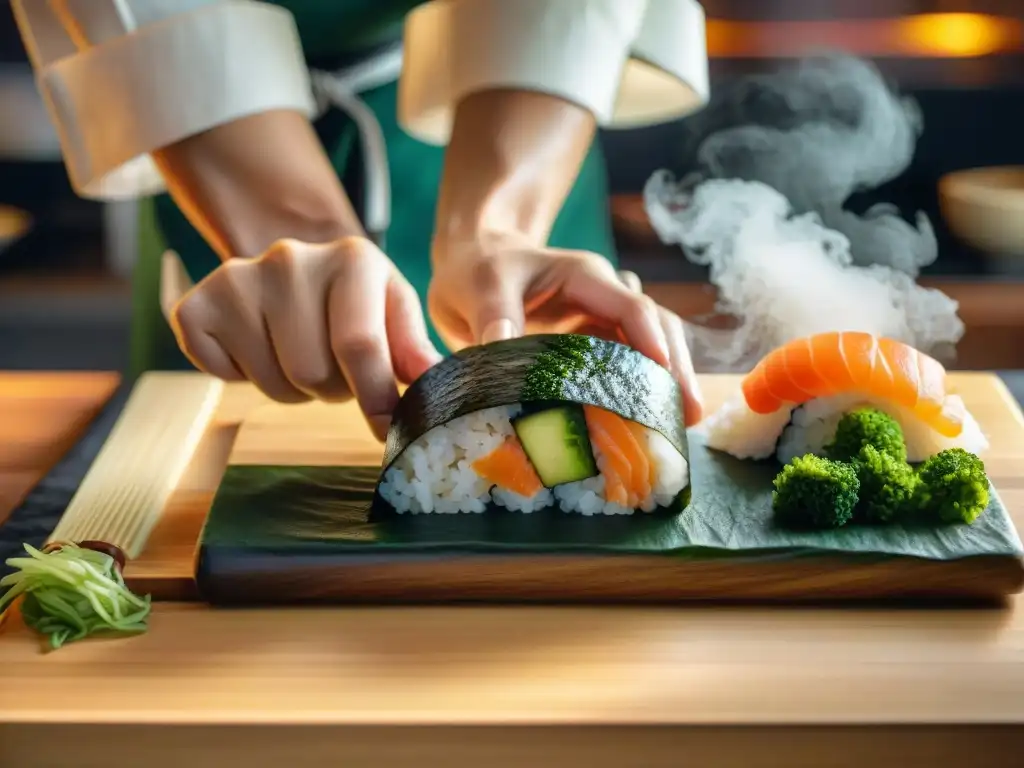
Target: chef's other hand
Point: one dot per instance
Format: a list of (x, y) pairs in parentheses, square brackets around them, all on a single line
[(502, 287), (303, 321)]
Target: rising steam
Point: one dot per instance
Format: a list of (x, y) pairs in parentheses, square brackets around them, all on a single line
[(777, 158)]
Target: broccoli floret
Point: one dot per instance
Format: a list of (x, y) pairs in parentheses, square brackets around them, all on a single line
[(953, 487), (815, 492), (887, 486), (866, 426)]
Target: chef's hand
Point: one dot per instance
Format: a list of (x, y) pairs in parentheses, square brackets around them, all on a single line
[(502, 287), (305, 321)]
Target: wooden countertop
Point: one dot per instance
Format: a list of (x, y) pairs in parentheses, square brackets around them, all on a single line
[(527, 685), (41, 416)]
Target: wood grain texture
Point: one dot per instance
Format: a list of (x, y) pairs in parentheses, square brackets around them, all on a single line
[(123, 496), (442, 685), (41, 417), (518, 746), (596, 580)]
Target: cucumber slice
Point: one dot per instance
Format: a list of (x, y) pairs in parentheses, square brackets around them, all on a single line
[(557, 443)]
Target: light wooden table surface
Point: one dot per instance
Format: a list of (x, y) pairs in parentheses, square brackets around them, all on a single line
[(41, 417), (506, 686)]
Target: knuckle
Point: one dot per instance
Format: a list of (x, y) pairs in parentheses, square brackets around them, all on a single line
[(579, 260), (316, 377), (283, 394), (351, 248), (187, 315), (278, 258), (641, 309), (283, 249), (357, 345), (631, 280), (485, 274), (670, 318), (593, 262), (234, 273)]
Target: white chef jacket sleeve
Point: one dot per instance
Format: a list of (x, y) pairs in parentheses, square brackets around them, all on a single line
[(630, 62), (122, 78)]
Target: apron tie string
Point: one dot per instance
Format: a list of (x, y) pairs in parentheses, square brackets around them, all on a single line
[(341, 90)]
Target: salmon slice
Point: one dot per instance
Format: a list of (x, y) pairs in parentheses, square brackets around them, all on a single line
[(625, 444), (640, 435), (755, 390), (616, 471), (804, 379), (508, 467), (801, 372), (852, 362)]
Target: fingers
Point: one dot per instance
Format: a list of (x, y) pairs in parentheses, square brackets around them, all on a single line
[(304, 321), (295, 298), (202, 349), (631, 280), (680, 361), (357, 322), (498, 302), (607, 299), (682, 366), (226, 307), (174, 282), (412, 352)]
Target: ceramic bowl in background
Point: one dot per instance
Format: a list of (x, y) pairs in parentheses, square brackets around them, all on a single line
[(984, 207)]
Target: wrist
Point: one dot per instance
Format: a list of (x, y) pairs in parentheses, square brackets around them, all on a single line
[(243, 198), (478, 243), (305, 218), (511, 161)]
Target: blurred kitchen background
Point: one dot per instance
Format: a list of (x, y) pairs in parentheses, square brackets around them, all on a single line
[(65, 263)]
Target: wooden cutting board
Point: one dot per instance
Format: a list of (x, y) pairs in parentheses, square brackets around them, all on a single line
[(157, 476)]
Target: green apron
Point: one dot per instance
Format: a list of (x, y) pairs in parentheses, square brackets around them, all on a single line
[(330, 29)]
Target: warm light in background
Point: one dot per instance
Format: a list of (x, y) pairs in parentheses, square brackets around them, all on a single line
[(957, 34), (934, 35)]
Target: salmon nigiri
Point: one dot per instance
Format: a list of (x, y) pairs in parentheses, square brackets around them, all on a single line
[(840, 363), (790, 403)]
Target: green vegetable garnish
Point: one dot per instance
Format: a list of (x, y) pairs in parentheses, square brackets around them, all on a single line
[(887, 486), (953, 487), (565, 357), (814, 492), (73, 592), (866, 426)]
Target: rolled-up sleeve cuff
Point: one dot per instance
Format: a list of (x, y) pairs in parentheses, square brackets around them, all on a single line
[(116, 103), (629, 62)]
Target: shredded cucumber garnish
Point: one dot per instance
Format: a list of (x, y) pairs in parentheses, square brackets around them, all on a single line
[(73, 592)]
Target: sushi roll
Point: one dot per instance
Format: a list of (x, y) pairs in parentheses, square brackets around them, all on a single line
[(564, 422), (791, 402)]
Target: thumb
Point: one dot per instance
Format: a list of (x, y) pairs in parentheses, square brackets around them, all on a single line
[(497, 306), (174, 283)]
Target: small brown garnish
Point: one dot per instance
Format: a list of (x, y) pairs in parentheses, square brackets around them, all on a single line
[(102, 547)]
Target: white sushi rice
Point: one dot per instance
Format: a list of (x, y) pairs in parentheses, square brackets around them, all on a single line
[(738, 431), (791, 432), (672, 473), (434, 474)]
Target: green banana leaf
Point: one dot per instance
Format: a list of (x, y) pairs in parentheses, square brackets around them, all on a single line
[(305, 511), (280, 517)]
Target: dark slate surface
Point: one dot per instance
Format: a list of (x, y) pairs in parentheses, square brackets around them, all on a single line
[(37, 516)]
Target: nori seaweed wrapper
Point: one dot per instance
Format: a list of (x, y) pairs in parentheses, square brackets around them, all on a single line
[(549, 368)]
